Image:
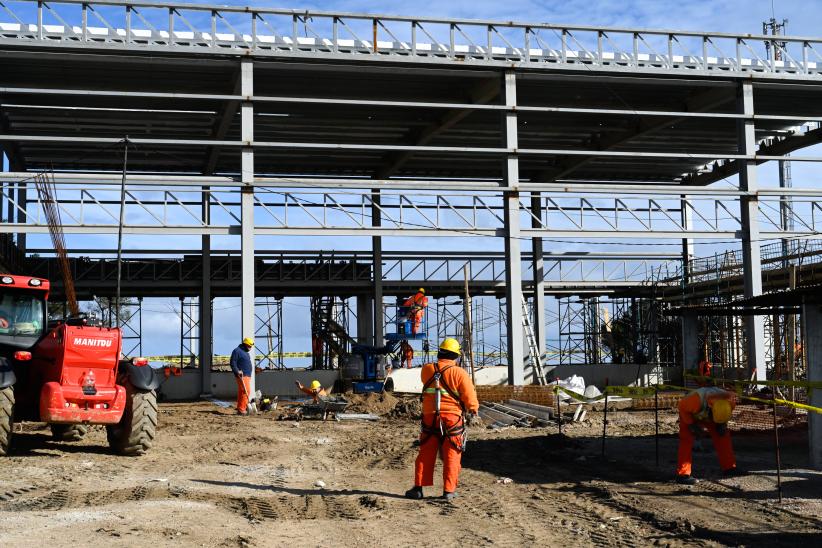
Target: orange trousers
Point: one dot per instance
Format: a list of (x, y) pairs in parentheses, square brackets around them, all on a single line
[(243, 389), (449, 449), (722, 445), (417, 317)]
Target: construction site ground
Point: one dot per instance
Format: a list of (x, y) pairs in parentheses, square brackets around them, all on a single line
[(216, 479)]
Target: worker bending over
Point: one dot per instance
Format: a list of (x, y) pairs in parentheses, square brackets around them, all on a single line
[(316, 390), (447, 396), (416, 309), (241, 367), (710, 408)]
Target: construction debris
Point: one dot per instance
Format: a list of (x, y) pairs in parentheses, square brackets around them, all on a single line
[(357, 417)]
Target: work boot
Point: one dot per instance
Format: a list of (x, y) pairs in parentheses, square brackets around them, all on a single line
[(241, 413), (414, 493), (449, 497), (731, 472), (686, 480)]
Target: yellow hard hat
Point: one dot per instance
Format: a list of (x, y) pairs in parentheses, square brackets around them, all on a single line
[(421, 290), (315, 385), (248, 341), (721, 411), (451, 345)]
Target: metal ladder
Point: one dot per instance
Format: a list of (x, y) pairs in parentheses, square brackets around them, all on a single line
[(536, 359)]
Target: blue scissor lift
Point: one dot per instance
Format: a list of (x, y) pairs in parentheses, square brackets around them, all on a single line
[(404, 327)]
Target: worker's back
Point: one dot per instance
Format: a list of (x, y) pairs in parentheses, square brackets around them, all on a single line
[(456, 380)]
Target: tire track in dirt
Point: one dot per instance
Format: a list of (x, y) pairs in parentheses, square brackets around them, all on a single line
[(254, 508)]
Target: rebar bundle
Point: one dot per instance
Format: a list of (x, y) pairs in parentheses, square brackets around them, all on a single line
[(46, 192)]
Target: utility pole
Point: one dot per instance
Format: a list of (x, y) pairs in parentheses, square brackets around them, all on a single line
[(466, 307), (776, 52)]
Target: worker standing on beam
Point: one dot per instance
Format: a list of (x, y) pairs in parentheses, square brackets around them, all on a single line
[(710, 408), (447, 395), (416, 305), (241, 366)]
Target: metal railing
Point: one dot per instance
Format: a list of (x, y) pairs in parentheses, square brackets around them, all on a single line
[(225, 29)]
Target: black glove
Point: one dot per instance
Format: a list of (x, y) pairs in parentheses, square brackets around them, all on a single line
[(695, 429), (721, 429)]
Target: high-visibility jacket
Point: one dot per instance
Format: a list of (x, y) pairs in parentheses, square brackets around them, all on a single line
[(407, 351), (454, 379), (419, 300), (694, 407), (321, 393)]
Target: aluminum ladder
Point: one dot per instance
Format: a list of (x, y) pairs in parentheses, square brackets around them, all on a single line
[(536, 359)]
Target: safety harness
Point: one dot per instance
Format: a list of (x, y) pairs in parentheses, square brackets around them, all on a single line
[(456, 434)]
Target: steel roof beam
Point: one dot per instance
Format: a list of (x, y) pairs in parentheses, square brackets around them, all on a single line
[(704, 101), (480, 95)]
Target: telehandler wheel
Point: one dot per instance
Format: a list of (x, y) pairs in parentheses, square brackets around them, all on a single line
[(134, 434), (6, 419), (68, 432)]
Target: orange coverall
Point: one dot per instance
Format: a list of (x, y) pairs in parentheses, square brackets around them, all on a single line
[(316, 395), (450, 418), (693, 409), (407, 354), (242, 395), (416, 310)]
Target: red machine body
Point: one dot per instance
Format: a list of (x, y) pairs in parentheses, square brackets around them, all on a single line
[(77, 366), (67, 373)]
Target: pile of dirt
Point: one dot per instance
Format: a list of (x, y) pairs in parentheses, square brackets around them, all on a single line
[(378, 404), (407, 408)]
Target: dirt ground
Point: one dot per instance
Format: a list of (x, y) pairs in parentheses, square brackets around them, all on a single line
[(216, 479)]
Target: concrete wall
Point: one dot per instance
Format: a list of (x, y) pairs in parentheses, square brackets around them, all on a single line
[(223, 385), (408, 380)]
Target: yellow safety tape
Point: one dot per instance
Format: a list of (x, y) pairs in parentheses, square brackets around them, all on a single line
[(798, 384)]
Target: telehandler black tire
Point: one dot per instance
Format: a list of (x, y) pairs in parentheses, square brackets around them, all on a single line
[(135, 432), (68, 432), (6, 419)]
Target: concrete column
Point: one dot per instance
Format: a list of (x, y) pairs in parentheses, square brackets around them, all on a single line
[(247, 204), (749, 206), (513, 254), (376, 248), (538, 266), (812, 320), (206, 342), (690, 342)]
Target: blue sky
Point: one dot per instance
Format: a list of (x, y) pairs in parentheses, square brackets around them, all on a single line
[(161, 326)]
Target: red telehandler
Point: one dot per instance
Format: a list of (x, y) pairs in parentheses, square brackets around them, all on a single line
[(68, 373)]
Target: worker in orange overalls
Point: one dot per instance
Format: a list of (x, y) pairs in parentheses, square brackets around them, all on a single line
[(416, 309), (241, 366), (316, 390), (710, 408), (447, 395), (407, 354)]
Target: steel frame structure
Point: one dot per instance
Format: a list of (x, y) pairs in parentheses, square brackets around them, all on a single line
[(238, 126)]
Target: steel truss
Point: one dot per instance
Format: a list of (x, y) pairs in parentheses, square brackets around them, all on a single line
[(661, 214), (220, 30), (303, 273)]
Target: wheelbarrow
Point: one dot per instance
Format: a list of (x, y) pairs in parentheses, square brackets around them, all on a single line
[(324, 408)]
